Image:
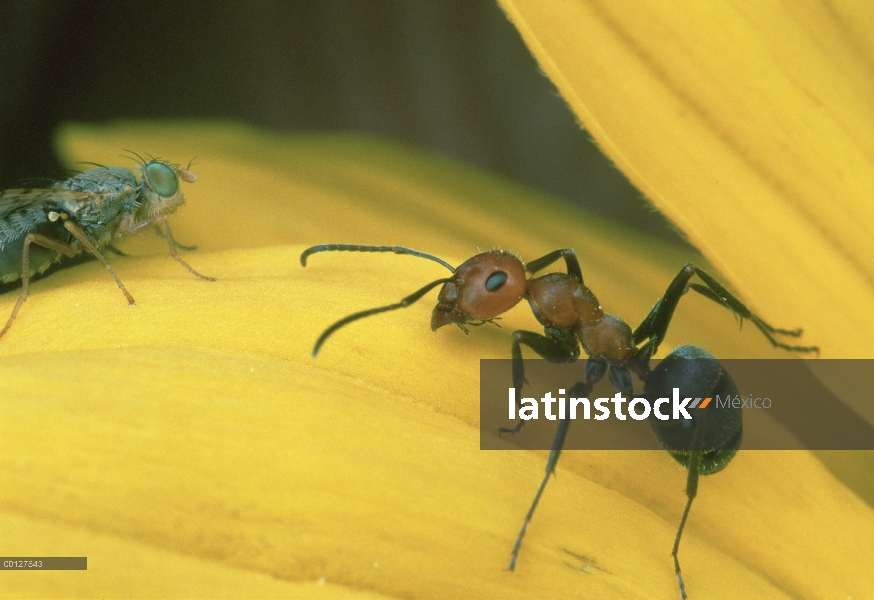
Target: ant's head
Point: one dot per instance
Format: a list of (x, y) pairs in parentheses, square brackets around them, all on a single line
[(483, 287)]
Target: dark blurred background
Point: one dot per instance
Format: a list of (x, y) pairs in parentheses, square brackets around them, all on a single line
[(451, 75)]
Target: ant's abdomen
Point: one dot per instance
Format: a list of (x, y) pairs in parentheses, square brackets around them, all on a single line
[(559, 300)]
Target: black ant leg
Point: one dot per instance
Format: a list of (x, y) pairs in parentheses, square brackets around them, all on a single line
[(655, 325), (691, 492), (580, 389), (557, 346), (570, 259)]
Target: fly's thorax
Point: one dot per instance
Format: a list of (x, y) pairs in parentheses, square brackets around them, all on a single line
[(109, 193), (101, 180)]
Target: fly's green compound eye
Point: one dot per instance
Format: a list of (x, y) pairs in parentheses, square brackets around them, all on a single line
[(496, 280), (161, 178)]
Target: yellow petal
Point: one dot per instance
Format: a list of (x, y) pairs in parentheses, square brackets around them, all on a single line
[(195, 427), (750, 125)]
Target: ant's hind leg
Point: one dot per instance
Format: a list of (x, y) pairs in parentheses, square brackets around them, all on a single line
[(655, 326), (691, 492), (716, 292)]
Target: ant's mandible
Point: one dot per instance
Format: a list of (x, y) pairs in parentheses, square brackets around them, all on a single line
[(491, 283)]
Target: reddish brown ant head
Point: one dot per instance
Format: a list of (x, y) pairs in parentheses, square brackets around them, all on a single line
[(483, 287)]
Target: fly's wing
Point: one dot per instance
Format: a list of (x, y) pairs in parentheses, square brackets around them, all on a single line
[(95, 200), (24, 210), (95, 196)]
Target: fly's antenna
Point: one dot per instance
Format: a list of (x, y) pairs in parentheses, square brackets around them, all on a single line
[(354, 248), (375, 311)]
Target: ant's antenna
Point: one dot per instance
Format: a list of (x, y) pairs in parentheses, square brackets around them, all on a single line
[(354, 248), (374, 311), (381, 309)]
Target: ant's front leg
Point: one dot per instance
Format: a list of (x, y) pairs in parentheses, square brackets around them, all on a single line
[(655, 326), (559, 345)]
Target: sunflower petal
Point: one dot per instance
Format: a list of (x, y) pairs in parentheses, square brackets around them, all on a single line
[(197, 427), (750, 126)]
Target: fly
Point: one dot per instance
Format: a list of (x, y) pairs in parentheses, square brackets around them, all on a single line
[(86, 213)]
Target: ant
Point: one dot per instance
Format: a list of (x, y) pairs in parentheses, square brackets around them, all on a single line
[(491, 283)]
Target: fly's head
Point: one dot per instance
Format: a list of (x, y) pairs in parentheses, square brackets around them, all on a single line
[(482, 288), (160, 194)]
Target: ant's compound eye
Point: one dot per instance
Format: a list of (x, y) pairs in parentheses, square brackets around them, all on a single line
[(496, 280), (161, 178)]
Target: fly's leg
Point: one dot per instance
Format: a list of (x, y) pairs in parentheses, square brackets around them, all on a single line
[(83, 238), (127, 227), (47, 242), (579, 390), (157, 221), (172, 243), (655, 325), (178, 245), (117, 251)]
